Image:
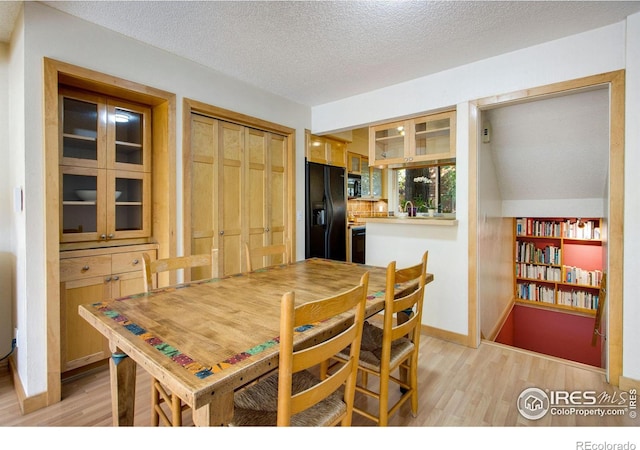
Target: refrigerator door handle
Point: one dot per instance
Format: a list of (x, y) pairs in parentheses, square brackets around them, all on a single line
[(328, 202)]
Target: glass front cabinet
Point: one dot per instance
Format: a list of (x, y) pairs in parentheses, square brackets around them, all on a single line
[(422, 139), (105, 168)]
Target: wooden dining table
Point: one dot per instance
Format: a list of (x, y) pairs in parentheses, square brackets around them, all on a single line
[(206, 339)]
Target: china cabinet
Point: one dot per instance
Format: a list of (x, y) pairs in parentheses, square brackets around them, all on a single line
[(105, 211), (105, 168)]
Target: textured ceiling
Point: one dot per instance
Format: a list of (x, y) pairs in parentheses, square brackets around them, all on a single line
[(315, 52)]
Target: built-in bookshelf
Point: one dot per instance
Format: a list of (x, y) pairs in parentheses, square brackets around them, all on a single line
[(558, 263)]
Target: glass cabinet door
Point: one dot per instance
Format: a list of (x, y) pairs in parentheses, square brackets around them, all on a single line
[(83, 130), (376, 183), (128, 204), (82, 215), (389, 142), (365, 178), (128, 136), (433, 136), (105, 168)]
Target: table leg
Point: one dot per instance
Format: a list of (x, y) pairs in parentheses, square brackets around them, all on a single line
[(217, 413), (122, 371)]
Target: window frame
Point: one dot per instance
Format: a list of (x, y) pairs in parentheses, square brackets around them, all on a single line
[(395, 196)]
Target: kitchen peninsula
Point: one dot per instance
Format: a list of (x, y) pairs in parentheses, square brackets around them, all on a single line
[(403, 239), (417, 221)]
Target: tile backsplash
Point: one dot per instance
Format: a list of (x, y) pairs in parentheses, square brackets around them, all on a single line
[(359, 208)]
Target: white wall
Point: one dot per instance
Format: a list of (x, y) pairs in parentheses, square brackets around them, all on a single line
[(50, 33), (598, 51), (15, 156), (6, 298), (445, 301)]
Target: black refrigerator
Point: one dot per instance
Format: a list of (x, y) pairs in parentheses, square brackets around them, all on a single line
[(326, 212)]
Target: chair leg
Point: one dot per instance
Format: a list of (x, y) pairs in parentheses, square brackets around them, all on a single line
[(413, 381), (383, 401), (155, 402)]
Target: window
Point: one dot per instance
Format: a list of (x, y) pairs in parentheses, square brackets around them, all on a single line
[(428, 187)]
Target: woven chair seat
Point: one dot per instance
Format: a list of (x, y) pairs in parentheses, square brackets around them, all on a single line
[(371, 348), (257, 405)]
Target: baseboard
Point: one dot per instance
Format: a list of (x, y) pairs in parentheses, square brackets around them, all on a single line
[(445, 335), (626, 384), (493, 334), (27, 404)]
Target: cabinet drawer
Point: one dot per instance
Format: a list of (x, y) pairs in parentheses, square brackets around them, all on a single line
[(87, 267), (130, 261)]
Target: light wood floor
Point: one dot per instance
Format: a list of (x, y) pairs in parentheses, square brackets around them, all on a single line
[(459, 386)]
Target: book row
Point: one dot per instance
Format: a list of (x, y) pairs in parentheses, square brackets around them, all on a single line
[(578, 299), (536, 272), (568, 274), (536, 292), (541, 293), (576, 275), (577, 229), (527, 252)]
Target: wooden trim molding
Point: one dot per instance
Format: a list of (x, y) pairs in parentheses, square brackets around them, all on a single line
[(26, 404), (445, 335), (163, 106), (616, 83), (503, 318), (473, 326)]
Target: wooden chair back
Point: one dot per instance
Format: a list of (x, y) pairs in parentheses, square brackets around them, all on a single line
[(408, 301), (271, 251), (294, 360), (151, 268)]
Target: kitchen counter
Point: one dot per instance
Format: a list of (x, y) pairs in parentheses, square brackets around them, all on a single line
[(420, 220)]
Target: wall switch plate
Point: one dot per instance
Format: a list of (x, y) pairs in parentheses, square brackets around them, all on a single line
[(18, 204)]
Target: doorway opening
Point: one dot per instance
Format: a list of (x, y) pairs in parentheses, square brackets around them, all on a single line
[(549, 152)]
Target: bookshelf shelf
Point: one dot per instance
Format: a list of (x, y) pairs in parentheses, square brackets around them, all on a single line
[(558, 263)]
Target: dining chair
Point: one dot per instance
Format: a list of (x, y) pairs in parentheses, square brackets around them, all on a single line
[(391, 352), (160, 395), (295, 395), (151, 268), (271, 251)]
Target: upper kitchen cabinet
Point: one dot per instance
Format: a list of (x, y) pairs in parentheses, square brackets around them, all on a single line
[(324, 150), (354, 163), (105, 168), (422, 139)]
